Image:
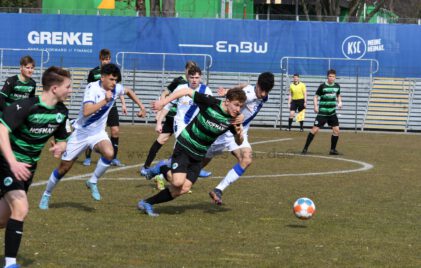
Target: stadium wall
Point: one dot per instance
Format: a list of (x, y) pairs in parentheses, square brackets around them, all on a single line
[(235, 45)]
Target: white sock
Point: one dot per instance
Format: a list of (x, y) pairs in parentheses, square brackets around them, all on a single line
[(52, 182), (231, 177), (102, 166), (9, 261)]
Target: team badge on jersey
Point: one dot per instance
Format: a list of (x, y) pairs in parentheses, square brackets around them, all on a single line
[(59, 118), (7, 181), (174, 165)]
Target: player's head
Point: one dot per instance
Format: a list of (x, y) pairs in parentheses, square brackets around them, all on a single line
[(235, 99), (104, 56), (194, 75), (110, 76), (331, 76), (57, 81), (189, 64), (265, 83), (296, 78), (27, 66)]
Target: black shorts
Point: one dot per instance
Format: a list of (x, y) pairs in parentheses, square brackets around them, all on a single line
[(168, 126), (330, 120), (181, 162), (297, 105), (113, 120), (8, 182)]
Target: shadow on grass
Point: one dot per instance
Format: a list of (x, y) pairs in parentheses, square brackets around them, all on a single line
[(296, 226), (75, 205), (206, 207)]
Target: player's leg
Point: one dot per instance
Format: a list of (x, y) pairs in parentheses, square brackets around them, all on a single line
[(334, 140), (87, 161), (113, 121), (156, 146), (18, 205), (318, 123), (76, 144), (291, 114), (102, 145), (301, 107), (244, 157)]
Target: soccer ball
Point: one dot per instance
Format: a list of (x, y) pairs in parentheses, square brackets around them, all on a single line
[(304, 208)]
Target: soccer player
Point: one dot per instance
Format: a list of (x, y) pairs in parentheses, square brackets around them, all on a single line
[(256, 97), (330, 96), (297, 100), (25, 127), (113, 118), (90, 130), (186, 110), (165, 131), (20, 86), (214, 119)]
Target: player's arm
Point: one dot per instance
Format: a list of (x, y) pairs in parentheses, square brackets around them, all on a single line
[(160, 117), (19, 169), (89, 107), (123, 105), (61, 135), (223, 91), (305, 95), (340, 101), (132, 95), (158, 105), (316, 103), (289, 96), (238, 134), (5, 92)]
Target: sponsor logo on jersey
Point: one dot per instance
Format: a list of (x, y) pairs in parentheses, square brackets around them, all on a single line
[(59, 117)]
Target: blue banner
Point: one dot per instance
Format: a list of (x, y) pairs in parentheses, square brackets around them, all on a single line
[(234, 45)]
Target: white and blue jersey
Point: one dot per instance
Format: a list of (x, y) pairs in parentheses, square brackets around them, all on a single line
[(251, 108), (186, 109), (96, 122)]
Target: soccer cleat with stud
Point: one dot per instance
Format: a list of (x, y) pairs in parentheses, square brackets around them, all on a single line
[(216, 196), (304, 151), (146, 208), (117, 163), (143, 171), (45, 199), (204, 174), (334, 152), (13, 266), (87, 162), (94, 190)]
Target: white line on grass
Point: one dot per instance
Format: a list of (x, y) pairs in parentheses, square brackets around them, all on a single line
[(364, 166)]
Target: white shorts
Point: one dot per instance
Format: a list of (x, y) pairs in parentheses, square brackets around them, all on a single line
[(78, 142), (226, 142)]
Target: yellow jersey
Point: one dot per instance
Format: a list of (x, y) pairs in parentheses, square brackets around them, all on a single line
[(297, 90)]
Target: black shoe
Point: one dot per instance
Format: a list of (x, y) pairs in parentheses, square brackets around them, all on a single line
[(334, 152), (304, 151)]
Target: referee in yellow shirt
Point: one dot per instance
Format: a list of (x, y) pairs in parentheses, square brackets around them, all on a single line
[(297, 100)]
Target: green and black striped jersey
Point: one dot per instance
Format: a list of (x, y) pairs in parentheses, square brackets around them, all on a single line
[(328, 95), (181, 80), (211, 122), (31, 123), (14, 89), (94, 74)]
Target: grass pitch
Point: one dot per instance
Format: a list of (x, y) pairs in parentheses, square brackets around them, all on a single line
[(366, 218)]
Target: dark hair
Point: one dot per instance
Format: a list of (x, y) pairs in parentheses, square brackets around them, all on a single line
[(190, 64), (104, 53), (297, 75), (26, 60), (266, 81), (236, 94), (331, 71), (54, 76), (193, 70), (111, 68)]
